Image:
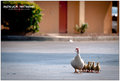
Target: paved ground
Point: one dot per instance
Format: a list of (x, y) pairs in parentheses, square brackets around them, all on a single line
[(99, 47), (51, 60)]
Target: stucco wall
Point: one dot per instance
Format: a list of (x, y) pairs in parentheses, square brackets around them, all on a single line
[(97, 15), (108, 19), (50, 20), (72, 15)]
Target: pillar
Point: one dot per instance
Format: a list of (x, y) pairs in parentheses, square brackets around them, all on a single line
[(81, 12)]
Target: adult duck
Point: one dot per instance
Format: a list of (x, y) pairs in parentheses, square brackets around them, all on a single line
[(77, 62)]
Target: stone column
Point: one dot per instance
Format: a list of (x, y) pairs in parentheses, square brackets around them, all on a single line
[(81, 12)]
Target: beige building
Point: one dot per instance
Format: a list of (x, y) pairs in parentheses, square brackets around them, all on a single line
[(62, 16)]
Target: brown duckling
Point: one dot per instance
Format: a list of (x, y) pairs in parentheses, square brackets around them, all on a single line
[(97, 68), (89, 67), (84, 68), (93, 66)]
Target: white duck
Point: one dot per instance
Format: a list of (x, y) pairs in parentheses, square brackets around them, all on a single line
[(77, 62)]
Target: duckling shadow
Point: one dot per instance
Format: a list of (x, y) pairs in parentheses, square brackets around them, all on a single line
[(88, 72)]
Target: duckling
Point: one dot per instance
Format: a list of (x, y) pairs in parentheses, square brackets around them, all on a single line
[(89, 67), (93, 66), (84, 68), (97, 68)]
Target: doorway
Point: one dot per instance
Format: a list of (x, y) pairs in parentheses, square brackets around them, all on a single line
[(62, 16), (114, 16)]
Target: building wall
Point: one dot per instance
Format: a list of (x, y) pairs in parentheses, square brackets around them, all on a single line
[(50, 19), (97, 15), (108, 19), (72, 15)]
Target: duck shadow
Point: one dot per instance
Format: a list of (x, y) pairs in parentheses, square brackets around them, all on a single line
[(88, 72)]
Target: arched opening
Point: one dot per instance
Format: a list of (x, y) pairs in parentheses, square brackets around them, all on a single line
[(114, 16), (63, 16)]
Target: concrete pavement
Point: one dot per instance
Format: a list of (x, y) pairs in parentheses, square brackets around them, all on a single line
[(99, 47), (50, 60)]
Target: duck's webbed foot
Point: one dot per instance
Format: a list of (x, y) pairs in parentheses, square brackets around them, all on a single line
[(75, 71), (80, 70), (97, 71), (88, 71), (92, 71)]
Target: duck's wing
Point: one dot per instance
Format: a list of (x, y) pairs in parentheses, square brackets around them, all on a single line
[(73, 64), (77, 62), (82, 61)]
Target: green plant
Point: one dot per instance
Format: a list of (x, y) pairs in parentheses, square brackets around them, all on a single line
[(81, 29), (21, 19)]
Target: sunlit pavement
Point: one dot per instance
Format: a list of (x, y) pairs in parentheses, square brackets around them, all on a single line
[(35, 60)]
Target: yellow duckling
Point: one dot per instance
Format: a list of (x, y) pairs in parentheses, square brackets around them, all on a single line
[(93, 66), (97, 68)]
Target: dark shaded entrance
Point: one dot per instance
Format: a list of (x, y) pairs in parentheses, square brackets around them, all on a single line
[(63, 16)]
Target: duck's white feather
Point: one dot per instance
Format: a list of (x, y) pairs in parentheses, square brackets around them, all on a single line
[(77, 62)]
